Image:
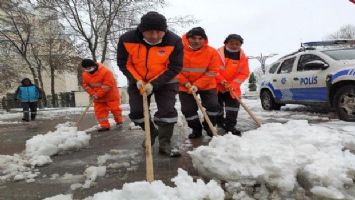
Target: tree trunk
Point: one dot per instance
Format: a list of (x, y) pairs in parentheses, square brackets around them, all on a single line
[(53, 84)]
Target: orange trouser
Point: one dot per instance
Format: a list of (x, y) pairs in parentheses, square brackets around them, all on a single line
[(102, 110)]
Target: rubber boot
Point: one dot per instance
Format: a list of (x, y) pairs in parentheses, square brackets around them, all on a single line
[(196, 127), (26, 116), (207, 129), (103, 129), (153, 134), (165, 134), (196, 133), (234, 131), (33, 116)]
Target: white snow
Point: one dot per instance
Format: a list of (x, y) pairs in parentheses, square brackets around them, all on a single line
[(38, 151), (273, 156), (276, 153), (91, 173), (186, 189), (65, 137), (60, 197)]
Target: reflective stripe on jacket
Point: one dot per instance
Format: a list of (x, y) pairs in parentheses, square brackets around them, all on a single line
[(234, 71), (200, 67), (101, 84), (157, 64)]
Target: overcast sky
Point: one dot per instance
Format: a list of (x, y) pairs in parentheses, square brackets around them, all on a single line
[(267, 26)]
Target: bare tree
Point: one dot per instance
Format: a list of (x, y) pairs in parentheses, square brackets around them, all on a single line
[(7, 75), (16, 28), (345, 32), (92, 20), (54, 51)]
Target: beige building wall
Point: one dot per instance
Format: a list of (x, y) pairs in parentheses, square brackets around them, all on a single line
[(64, 82)]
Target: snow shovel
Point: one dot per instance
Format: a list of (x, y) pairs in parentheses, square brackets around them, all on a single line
[(210, 125), (148, 147), (84, 113), (251, 114)]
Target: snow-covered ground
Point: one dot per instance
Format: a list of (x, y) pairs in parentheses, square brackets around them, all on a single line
[(296, 151)]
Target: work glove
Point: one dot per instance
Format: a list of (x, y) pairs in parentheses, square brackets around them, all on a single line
[(227, 86), (148, 88), (192, 88), (140, 84), (93, 97)]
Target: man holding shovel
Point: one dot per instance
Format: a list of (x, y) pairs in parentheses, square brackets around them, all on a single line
[(234, 72), (150, 57), (201, 64), (101, 85)]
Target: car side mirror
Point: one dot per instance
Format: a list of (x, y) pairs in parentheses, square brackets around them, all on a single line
[(315, 64)]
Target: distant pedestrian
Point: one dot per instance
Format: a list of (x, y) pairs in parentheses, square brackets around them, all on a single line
[(234, 72), (28, 95), (101, 85)]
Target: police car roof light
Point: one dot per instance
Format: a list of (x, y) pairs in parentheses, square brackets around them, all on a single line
[(329, 43)]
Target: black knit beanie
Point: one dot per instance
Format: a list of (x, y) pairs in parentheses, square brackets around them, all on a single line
[(88, 63), (153, 21), (197, 31), (234, 37)]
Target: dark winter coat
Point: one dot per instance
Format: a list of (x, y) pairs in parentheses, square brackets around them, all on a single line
[(157, 64)]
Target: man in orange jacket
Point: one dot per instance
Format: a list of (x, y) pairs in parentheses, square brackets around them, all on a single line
[(100, 83), (201, 63), (234, 72), (150, 57)]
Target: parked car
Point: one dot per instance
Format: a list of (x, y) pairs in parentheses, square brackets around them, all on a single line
[(319, 73)]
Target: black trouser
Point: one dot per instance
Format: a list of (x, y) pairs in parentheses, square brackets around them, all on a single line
[(27, 107), (229, 108), (165, 98), (189, 108)]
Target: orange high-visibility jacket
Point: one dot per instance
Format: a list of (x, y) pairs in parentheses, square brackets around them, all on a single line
[(157, 64), (200, 67), (235, 70), (101, 84)]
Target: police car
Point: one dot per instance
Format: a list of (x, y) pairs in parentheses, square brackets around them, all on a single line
[(319, 73)]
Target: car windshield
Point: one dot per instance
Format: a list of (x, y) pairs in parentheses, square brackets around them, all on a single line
[(341, 54)]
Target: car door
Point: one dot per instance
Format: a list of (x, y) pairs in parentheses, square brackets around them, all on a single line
[(309, 83), (281, 80)]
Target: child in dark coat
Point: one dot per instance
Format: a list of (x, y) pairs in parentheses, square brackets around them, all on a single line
[(28, 94)]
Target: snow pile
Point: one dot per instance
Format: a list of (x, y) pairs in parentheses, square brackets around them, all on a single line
[(15, 167), (66, 137), (38, 151), (91, 173), (186, 189), (277, 154)]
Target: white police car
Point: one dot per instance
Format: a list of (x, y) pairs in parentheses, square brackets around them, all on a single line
[(320, 73)]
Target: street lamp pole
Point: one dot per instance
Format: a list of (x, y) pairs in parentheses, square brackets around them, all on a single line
[(262, 59)]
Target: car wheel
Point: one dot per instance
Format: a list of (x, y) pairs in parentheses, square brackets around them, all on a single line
[(344, 102), (268, 102)]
